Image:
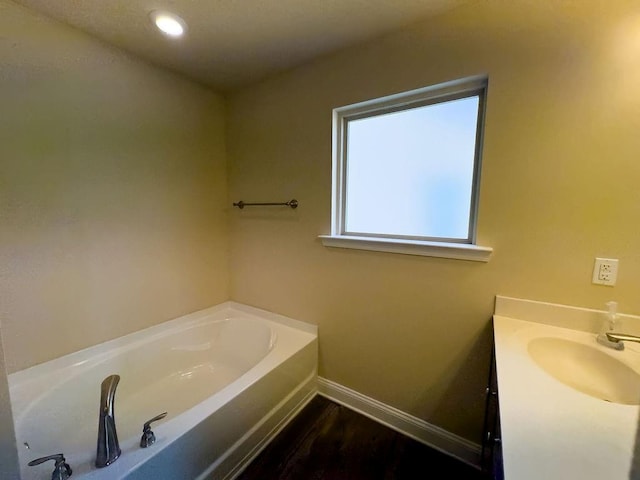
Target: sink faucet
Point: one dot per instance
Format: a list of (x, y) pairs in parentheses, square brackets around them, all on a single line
[(108, 446), (618, 338)]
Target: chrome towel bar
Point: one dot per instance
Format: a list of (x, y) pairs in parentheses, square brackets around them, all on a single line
[(291, 203)]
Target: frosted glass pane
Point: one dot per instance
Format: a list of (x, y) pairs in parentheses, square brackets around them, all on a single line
[(410, 173)]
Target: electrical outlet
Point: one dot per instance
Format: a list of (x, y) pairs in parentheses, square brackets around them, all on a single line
[(605, 271)]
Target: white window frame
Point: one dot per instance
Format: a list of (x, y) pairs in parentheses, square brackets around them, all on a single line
[(465, 249)]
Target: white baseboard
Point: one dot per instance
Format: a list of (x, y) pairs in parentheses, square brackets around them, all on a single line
[(431, 435)]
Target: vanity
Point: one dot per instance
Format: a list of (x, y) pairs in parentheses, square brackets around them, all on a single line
[(560, 405)]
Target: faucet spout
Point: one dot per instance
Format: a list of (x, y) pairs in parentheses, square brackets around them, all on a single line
[(108, 447), (622, 337)]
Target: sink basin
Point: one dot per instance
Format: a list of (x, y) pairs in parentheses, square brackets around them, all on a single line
[(587, 369)]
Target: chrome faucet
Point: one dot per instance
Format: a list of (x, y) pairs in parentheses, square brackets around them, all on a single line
[(618, 338), (108, 446)]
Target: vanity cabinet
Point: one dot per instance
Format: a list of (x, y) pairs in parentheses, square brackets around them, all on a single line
[(491, 440)]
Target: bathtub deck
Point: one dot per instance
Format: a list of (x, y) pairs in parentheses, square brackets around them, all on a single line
[(328, 441)]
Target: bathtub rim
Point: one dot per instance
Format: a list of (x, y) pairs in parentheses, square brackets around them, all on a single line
[(105, 350)]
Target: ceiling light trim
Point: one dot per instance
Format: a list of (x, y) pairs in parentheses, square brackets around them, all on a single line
[(168, 23)]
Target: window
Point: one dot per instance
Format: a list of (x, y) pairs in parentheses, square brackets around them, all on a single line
[(406, 172)]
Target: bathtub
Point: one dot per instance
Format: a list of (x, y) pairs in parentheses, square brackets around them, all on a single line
[(230, 377)]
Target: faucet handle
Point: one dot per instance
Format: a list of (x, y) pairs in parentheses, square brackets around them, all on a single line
[(61, 470), (148, 437)]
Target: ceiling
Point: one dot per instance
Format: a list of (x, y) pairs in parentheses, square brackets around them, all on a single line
[(232, 43)]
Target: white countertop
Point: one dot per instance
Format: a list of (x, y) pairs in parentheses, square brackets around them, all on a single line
[(550, 430)]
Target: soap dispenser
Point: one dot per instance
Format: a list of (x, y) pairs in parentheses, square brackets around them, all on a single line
[(612, 314), (608, 325)]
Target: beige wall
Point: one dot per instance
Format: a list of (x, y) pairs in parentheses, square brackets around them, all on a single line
[(560, 186), (112, 192)]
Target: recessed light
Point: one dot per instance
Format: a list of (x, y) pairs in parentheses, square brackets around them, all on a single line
[(169, 23)]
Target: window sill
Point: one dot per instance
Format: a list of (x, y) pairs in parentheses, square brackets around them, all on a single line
[(457, 251)]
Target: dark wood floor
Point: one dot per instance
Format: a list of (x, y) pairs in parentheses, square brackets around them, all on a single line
[(330, 442)]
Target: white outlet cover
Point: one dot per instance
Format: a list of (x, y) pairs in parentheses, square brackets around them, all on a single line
[(605, 271)]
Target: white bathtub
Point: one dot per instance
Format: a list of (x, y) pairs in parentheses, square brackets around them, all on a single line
[(229, 377)]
